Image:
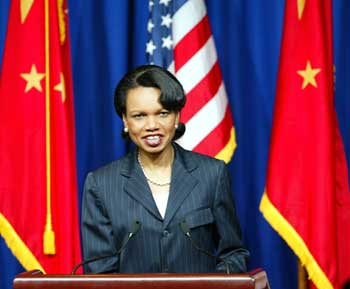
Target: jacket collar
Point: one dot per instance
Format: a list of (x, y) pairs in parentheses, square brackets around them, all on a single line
[(182, 182), (182, 156)]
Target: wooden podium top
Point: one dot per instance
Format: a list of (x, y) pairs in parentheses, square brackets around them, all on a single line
[(256, 279)]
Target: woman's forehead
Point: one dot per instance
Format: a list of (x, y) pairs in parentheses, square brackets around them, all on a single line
[(143, 97)]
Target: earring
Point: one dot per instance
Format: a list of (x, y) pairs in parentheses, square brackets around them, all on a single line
[(176, 126), (126, 130)]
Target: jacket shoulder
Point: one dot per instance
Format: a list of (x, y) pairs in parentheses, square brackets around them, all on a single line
[(199, 160), (113, 167)]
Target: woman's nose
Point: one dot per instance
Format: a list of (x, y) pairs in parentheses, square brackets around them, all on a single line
[(151, 123)]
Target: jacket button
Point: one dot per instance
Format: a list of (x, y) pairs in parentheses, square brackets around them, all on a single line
[(165, 233)]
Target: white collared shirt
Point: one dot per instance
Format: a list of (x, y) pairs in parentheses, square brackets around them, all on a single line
[(161, 200)]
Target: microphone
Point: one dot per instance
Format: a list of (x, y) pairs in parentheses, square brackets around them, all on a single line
[(134, 230), (186, 230)]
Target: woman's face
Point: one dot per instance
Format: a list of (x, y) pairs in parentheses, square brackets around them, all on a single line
[(151, 127)]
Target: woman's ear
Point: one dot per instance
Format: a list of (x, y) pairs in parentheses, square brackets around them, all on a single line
[(177, 118), (125, 130), (124, 120)]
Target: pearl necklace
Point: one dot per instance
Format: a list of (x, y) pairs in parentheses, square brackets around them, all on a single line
[(147, 178)]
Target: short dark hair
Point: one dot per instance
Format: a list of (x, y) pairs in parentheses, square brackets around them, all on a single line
[(172, 95)]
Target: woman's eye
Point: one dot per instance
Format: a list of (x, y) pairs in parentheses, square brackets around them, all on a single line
[(138, 116), (164, 113)]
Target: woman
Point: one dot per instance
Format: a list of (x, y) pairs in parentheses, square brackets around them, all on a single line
[(160, 208)]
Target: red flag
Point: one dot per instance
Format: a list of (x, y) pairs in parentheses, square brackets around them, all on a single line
[(38, 190), (307, 194)]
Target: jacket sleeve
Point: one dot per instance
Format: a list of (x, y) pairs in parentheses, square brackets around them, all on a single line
[(97, 234), (230, 246)]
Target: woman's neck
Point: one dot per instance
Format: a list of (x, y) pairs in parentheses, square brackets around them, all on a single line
[(162, 160)]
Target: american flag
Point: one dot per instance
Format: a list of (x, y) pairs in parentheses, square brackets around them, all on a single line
[(180, 40)]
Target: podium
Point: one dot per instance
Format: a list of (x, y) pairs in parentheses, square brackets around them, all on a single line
[(256, 279)]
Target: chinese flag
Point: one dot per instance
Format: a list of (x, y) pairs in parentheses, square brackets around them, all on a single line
[(38, 190), (307, 194)]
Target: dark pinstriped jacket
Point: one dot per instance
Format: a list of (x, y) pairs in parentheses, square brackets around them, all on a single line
[(200, 193)]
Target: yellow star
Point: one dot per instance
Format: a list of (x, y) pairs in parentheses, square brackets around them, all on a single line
[(33, 79), (309, 75), (61, 87)]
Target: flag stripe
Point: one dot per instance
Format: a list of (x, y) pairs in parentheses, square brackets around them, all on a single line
[(203, 92), (203, 61), (218, 137), (210, 115), (191, 42), (187, 17)]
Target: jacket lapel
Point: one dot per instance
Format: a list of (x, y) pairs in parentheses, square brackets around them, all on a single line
[(136, 185), (182, 183)]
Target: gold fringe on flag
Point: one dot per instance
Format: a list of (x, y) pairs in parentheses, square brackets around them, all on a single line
[(226, 153), (295, 242), (49, 234), (18, 248)]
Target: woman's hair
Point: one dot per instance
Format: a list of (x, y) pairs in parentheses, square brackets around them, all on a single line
[(172, 95)]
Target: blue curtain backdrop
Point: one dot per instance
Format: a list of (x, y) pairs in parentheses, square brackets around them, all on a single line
[(108, 37)]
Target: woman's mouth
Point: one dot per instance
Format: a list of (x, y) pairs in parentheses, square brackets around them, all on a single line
[(153, 140)]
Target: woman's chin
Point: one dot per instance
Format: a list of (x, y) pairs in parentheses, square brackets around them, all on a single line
[(153, 148)]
